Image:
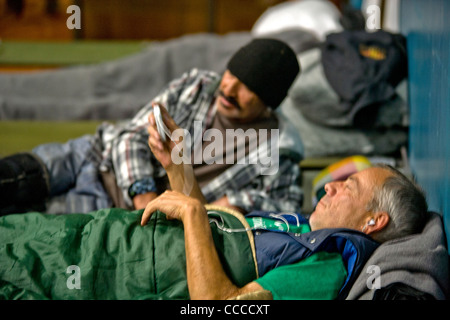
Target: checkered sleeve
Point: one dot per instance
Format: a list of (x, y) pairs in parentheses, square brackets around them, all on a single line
[(280, 192), (131, 156)]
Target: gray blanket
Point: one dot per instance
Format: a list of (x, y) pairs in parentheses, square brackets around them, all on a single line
[(116, 90), (419, 261)]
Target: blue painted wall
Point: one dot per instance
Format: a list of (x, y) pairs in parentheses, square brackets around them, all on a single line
[(426, 24)]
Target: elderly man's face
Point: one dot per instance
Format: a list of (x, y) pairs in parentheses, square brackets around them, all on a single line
[(345, 202), (236, 101)]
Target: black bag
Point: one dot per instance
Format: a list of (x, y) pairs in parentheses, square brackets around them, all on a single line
[(24, 184), (363, 68)]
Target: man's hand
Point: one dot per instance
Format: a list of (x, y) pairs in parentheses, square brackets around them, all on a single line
[(174, 204), (205, 276), (161, 150), (181, 176)]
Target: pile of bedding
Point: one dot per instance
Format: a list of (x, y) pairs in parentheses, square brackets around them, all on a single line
[(116, 90)]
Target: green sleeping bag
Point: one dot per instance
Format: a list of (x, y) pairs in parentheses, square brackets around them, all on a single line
[(107, 254)]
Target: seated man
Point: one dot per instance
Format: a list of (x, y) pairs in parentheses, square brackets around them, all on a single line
[(199, 254), (241, 100)]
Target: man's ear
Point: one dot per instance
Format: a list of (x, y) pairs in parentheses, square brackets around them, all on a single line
[(381, 220)]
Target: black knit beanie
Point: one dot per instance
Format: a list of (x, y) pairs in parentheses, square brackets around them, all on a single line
[(268, 67)]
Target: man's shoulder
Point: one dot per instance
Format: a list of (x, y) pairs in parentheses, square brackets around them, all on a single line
[(196, 80), (196, 73)]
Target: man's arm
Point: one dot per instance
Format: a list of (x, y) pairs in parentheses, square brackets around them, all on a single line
[(205, 276), (181, 176)]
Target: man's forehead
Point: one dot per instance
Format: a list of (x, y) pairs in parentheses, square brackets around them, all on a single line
[(370, 176)]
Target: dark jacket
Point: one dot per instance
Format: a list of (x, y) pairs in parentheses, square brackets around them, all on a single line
[(355, 248)]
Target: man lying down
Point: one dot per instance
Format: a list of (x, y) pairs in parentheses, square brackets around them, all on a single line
[(181, 248)]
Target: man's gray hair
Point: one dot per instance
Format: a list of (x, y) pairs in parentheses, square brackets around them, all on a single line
[(405, 203)]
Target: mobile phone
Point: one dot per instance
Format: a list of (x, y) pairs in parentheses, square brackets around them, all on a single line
[(160, 125)]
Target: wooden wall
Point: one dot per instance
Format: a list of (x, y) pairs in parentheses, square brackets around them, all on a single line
[(157, 19), (127, 19), (34, 20)]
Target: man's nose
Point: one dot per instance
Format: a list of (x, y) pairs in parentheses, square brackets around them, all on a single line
[(331, 187), (231, 87)]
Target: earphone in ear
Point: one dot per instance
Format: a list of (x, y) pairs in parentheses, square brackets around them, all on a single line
[(370, 223)]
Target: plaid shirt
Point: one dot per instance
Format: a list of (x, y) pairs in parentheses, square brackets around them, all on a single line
[(188, 99)]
